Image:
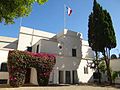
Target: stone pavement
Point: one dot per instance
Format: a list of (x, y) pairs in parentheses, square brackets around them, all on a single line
[(69, 87)]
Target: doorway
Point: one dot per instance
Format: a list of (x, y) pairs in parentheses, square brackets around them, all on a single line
[(27, 76), (74, 77), (61, 77), (68, 77)]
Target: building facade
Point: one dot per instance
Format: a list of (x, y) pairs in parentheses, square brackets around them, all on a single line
[(72, 54)]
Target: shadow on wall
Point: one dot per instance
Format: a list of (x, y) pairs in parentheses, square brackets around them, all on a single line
[(12, 45), (90, 53)]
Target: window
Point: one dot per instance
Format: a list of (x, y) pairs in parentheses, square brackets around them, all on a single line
[(29, 49), (74, 52), (37, 50), (85, 70), (4, 67)]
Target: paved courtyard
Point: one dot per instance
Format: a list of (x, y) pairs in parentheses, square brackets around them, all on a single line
[(71, 87)]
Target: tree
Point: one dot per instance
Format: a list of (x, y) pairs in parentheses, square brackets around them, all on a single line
[(102, 37), (12, 9), (109, 41), (94, 31), (102, 66)]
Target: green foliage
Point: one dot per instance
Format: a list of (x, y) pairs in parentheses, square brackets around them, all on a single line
[(91, 32), (102, 66), (109, 34), (19, 61), (101, 33), (114, 75), (12, 9)]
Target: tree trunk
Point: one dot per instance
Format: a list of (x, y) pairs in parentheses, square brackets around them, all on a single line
[(109, 74), (99, 76), (107, 61)]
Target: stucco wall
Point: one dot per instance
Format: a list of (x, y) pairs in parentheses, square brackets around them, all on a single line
[(29, 36), (33, 76), (8, 42), (85, 78), (64, 64), (70, 40), (64, 60), (115, 64), (87, 52), (3, 59), (3, 56), (46, 46)]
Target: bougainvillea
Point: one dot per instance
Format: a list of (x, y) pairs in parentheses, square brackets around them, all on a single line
[(18, 61)]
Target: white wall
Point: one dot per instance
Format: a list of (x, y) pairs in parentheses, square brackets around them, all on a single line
[(3, 56), (87, 56), (115, 64), (64, 61), (85, 78), (47, 46), (64, 64), (33, 77), (87, 52), (67, 41), (8, 42), (70, 40), (29, 36)]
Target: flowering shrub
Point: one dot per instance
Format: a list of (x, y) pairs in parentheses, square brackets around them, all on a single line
[(18, 61)]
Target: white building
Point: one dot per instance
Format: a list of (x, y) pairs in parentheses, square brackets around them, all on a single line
[(72, 54)]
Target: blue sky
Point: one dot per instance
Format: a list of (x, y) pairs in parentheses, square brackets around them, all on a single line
[(50, 17)]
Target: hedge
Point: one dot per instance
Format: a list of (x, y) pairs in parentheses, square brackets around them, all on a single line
[(19, 61)]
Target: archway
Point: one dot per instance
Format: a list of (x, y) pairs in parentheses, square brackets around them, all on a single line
[(19, 61)]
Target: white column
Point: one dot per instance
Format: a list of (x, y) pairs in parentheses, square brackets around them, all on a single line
[(64, 77), (71, 76), (57, 75)]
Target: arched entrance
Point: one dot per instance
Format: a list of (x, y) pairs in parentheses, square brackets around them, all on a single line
[(19, 64)]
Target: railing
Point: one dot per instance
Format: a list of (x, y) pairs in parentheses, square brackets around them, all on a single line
[(4, 77)]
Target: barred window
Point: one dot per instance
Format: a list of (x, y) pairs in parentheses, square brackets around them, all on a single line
[(74, 52), (85, 70)]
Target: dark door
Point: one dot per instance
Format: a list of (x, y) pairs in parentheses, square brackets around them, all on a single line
[(27, 76), (68, 77), (74, 77), (61, 77)]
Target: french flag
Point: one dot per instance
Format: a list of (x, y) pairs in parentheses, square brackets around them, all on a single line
[(69, 11)]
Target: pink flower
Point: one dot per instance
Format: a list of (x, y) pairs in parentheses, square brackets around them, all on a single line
[(15, 78)]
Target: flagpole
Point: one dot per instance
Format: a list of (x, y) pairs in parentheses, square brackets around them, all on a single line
[(20, 22), (64, 16), (32, 38)]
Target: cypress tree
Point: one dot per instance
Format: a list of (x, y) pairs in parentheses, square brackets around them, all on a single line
[(109, 41), (93, 32), (101, 35)]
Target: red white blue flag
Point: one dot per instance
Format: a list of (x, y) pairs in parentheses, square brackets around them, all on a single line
[(69, 11)]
